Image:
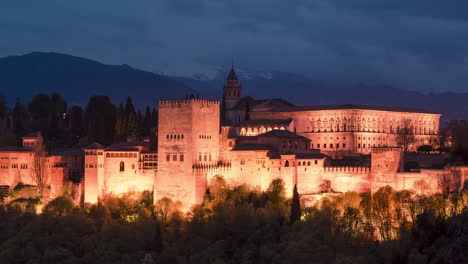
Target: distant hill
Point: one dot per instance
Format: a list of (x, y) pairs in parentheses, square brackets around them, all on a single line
[(76, 79), (302, 90)]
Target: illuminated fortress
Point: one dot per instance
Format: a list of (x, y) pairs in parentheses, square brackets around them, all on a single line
[(317, 148), (249, 141)]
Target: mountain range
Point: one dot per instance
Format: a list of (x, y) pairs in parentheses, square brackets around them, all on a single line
[(76, 79)]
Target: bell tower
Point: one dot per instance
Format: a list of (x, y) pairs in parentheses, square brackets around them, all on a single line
[(232, 90)]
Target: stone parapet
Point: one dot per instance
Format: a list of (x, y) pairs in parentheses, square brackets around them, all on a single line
[(346, 169)]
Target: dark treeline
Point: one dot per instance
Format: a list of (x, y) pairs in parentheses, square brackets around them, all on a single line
[(241, 225), (63, 126)]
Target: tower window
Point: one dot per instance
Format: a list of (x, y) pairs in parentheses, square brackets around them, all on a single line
[(122, 166)]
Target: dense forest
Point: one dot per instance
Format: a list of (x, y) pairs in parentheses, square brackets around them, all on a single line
[(241, 225), (62, 126)]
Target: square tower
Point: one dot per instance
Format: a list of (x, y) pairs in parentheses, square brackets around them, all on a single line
[(386, 162), (188, 135)]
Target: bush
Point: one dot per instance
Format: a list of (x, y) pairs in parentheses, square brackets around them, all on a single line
[(60, 206)]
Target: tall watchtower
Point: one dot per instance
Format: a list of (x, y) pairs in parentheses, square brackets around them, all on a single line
[(232, 90), (188, 135)]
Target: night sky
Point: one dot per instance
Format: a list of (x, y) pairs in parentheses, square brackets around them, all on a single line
[(418, 45)]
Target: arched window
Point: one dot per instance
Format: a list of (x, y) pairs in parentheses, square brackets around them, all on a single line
[(122, 166), (286, 163)]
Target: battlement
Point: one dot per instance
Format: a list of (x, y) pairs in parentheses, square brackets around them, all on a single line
[(183, 102), (384, 149), (346, 169), (205, 167)]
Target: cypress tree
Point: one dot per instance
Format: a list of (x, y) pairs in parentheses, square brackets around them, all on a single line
[(19, 116), (121, 124), (132, 129), (147, 121), (158, 239), (129, 108), (154, 117), (295, 207)]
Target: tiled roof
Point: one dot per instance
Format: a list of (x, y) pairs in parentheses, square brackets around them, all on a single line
[(95, 145), (281, 133), (268, 103), (256, 122), (123, 149), (350, 106), (127, 146), (362, 160), (14, 149), (66, 152), (253, 147), (31, 135), (311, 156)]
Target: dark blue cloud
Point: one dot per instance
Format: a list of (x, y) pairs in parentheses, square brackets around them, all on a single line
[(412, 44)]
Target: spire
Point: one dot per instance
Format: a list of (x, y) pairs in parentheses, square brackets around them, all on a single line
[(232, 74)]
